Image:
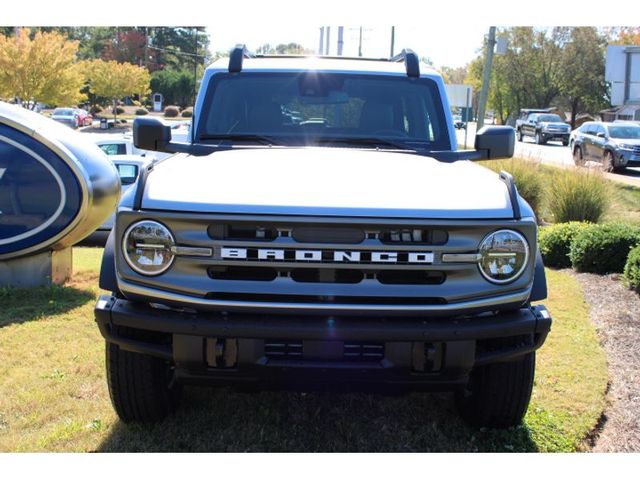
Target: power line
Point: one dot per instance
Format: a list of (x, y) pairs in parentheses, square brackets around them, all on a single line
[(176, 52)]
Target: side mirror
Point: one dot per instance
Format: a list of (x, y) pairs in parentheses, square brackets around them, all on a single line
[(496, 141), (151, 134), (601, 135)]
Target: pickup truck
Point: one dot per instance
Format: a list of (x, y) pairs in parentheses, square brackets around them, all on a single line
[(542, 126)]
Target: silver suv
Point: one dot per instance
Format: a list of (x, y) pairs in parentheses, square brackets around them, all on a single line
[(321, 227)]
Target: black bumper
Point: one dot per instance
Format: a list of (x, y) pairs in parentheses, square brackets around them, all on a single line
[(550, 136), (251, 348)]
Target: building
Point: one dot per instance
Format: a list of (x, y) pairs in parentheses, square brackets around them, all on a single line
[(622, 71)]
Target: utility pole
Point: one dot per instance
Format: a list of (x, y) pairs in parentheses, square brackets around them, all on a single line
[(321, 46), (393, 39), (486, 76), (360, 44), (195, 65), (340, 40)]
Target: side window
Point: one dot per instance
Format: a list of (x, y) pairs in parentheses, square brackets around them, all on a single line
[(591, 129), (128, 173), (114, 148)]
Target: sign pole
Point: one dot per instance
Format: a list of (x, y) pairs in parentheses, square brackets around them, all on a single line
[(466, 118)]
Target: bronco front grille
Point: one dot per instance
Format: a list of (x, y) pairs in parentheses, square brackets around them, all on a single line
[(283, 262)]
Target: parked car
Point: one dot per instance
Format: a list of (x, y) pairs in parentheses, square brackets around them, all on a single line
[(458, 123), (85, 119), (129, 168), (68, 116), (614, 145), (359, 251), (122, 144), (543, 127)]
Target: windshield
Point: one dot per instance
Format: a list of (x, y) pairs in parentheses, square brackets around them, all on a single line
[(626, 131), (550, 118), (315, 107), (63, 111)]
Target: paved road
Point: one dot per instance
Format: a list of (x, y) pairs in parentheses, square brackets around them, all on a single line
[(553, 153)]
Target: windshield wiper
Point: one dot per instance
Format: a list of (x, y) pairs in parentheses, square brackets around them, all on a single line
[(240, 137), (368, 141)]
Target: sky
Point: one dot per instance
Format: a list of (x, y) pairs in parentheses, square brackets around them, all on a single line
[(376, 40)]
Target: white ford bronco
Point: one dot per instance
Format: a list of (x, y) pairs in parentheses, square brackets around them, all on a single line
[(320, 227)]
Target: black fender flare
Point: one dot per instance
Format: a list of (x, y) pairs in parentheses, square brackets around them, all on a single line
[(539, 289), (108, 279)]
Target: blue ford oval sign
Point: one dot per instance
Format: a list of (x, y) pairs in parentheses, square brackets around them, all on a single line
[(39, 195), (55, 186)]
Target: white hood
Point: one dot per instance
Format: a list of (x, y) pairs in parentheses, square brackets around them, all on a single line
[(326, 181)]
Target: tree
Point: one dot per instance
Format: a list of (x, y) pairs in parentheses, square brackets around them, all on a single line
[(527, 75), (176, 86), (116, 80), (624, 35), (42, 69), (178, 47), (455, 75), (582, 83), (129, 46)]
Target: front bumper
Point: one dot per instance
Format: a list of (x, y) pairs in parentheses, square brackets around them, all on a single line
[(416, 353), (555, 136)]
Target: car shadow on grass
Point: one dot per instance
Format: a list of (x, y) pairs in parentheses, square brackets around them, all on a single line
[(224, 420), (21, 305)]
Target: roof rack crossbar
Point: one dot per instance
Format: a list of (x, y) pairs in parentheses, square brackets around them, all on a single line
[(239, 53), (411, 62)]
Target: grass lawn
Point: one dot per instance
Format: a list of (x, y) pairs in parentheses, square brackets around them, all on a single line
[(53, 395)]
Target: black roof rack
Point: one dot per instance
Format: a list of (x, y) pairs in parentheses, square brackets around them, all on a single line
[(411, 62), (239, 53), (408, 56)]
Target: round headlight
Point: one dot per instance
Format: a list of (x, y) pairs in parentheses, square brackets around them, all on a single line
[(503, 256), (147, 247)]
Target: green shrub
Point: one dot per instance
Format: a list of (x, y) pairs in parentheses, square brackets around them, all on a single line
[(117, 110), (142, 111), (578, 195), (187, 112), (632, 269), (555, 241), (171, 111), (95, 109), (527, 177), (603, 248)]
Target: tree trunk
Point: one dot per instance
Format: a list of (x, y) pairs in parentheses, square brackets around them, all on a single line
[(574, 111)]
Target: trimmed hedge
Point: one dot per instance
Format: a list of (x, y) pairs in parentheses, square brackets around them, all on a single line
[(555, 243), (117, 110), (142, 111), (171, 111), (187, 112), (632, 269), (603, 248)]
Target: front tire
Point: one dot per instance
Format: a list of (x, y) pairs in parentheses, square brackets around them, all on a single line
[(539, 139), (578, 159), (498, 394), (141, 387), (607, 162)]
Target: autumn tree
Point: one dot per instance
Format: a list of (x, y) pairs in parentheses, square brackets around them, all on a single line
[(43, 69), (116, 80), (582, 84)]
